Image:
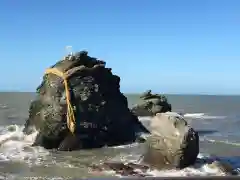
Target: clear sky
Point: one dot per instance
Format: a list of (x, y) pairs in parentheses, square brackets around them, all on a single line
[(169, 46)]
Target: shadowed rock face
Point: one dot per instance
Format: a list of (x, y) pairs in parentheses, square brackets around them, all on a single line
[(151, 105), (101, 110), (172, 142)]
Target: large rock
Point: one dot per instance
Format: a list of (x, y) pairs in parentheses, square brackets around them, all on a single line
[(101, 110), (172, 142), (151, 104)]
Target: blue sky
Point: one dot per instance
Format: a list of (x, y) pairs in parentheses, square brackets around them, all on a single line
[(169, 46)]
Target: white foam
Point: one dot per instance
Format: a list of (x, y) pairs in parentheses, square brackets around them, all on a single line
[(15, 146), (125, 146), (221, 141), (199, 169), (202, 116), (144, 118), (187, 115), (202, 170), (3, 106)]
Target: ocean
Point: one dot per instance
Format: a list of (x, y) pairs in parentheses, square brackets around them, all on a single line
[(216, 118)]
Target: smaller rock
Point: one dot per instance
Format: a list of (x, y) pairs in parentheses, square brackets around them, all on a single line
[(146, 94), (123, 169), (151, 105), (172, 144), (223, 167)]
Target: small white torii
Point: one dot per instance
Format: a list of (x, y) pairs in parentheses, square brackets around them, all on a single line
[(69, 50)]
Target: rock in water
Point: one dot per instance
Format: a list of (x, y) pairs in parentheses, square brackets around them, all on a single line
[(100, 109), (151, 105), (172, 142)]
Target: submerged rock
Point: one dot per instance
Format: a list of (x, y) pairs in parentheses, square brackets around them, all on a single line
[(122, 169), (151, 105), (222, 167), (172, 142), (100, 109)]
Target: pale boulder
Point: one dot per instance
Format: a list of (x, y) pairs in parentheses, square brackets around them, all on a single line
[(173, 143)]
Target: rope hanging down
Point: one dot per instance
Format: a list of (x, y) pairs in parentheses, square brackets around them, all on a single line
[(71, 121)]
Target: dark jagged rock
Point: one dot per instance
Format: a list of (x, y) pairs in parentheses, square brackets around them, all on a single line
[(123, 169), (172, 143), (101, 110), (151, 105)]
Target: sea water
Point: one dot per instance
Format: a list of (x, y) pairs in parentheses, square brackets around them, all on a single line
[(216, 118)]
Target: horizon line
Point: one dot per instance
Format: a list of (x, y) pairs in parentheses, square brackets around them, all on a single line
[(139, 93)]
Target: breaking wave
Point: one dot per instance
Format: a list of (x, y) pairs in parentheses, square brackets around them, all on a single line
[(16, 147), (202, 116), (191, 115)]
